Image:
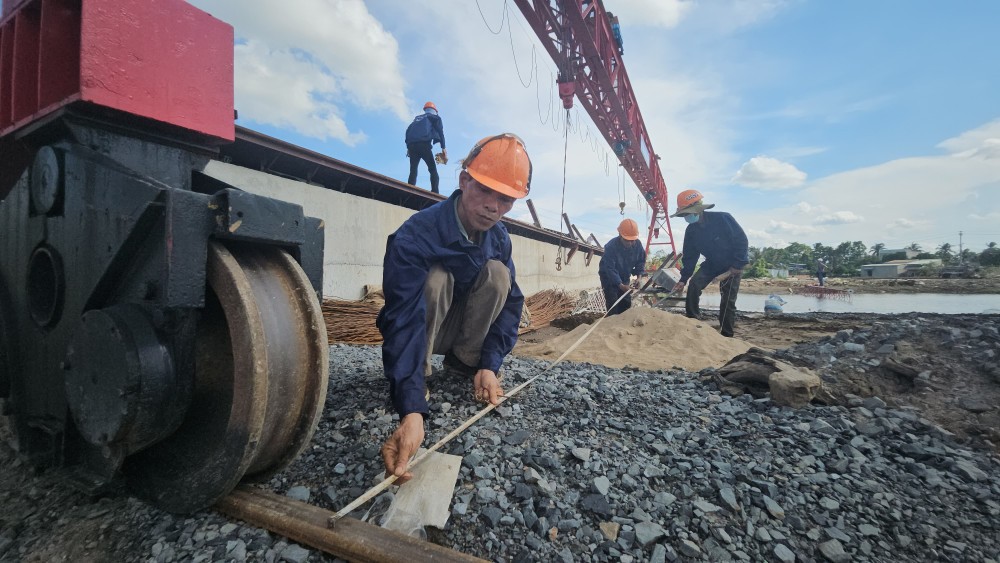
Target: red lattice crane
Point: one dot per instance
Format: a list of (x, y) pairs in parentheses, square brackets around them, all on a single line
[(579, 36)]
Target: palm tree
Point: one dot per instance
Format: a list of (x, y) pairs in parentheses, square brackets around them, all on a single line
[(914, 247), (991, 245), (876, 248), (944, 251)]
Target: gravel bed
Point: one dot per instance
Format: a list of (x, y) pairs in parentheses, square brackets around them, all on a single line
[(599, 464)]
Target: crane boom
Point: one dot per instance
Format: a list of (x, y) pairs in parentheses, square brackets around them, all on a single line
[(579, 38)]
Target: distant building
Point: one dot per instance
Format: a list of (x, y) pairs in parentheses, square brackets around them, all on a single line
[(890, 251), (778, 272), (898, 268)]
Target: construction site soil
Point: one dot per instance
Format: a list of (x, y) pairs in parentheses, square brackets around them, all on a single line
[(990, 283), (946, 368)]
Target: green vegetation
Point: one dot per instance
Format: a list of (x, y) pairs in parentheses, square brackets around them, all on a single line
[(845, 259)]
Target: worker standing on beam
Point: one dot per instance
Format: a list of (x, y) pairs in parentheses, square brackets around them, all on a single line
[(421, 135), (448, 279), (623, 258), (720, 239)]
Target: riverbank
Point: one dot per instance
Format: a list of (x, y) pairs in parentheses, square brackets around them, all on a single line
[(765, 286)]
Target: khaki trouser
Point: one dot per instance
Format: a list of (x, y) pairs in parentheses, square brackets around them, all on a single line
[(460, 326)]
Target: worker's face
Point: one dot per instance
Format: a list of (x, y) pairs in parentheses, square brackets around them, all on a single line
[(480, 207), (628, 243)]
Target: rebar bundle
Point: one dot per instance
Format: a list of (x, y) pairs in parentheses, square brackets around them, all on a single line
[(353, 322), (545, 306), (825, 292)]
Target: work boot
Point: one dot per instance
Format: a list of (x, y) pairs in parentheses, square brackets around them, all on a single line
[(455, 367)]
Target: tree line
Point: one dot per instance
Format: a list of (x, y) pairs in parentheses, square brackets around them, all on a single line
[(846, 258)]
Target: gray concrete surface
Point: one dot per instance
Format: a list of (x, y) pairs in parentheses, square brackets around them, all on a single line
[(356, 230)]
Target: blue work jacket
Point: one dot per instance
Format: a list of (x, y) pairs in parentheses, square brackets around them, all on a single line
[(717, 237), (426, 127), (429, 237), (620, 261)]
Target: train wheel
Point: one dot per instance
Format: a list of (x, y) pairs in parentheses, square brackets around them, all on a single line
[(260, 382)]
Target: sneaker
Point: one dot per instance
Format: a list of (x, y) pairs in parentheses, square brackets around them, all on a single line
[(454, 366)]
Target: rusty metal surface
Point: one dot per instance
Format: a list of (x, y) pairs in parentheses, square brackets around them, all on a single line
[(257, 151), (351, 539), (260, 383)]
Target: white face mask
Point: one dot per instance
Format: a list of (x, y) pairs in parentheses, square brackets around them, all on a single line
[(693, 218)]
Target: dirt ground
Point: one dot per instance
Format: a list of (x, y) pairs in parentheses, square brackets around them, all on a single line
[(988, 284)]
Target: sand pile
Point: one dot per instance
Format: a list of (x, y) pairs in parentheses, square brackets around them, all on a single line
[(645, 338)]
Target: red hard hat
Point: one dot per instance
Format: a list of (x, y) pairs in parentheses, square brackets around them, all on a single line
[(430, 105)]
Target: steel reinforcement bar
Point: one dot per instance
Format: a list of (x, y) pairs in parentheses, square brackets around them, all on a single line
[(351, 539)]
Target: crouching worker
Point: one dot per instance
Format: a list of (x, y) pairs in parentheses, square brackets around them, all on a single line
[(449, 289), (623, 258)]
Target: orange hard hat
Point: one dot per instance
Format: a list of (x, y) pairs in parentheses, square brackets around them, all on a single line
[(628, 229), (430, 105), (501, 164), (690, 201)]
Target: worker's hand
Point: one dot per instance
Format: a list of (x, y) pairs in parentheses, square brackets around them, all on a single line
[(407, 153), (678, 287), (444, 156), (734, 272), (487, 387), (402, 445), (624, 287)]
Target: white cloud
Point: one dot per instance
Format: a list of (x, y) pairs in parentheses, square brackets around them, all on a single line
[(986, 137), (905, 198), (303, 61), (652, 13), (766, 173), (299, 104), (790, 228), (989, 150), (839, 218)]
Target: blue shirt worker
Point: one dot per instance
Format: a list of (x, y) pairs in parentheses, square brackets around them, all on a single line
[(821, 271), (720, 239), (425, 130), (623, 257), (449, 287)]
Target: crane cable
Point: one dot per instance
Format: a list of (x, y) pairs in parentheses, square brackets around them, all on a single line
[(562, 207)]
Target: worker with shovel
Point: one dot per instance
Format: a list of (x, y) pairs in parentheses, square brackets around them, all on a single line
[(720, 239), (425, 130), (623, 258), (449, 286)]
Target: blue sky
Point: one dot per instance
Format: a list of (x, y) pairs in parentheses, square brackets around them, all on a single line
[(810, 121)]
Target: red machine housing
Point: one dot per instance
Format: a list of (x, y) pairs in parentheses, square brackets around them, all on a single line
[(105, 52)]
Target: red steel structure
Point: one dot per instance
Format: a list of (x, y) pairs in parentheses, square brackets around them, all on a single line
[(103, 52), (578, 36)]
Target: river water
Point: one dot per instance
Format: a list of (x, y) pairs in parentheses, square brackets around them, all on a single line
[(884, 303)]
